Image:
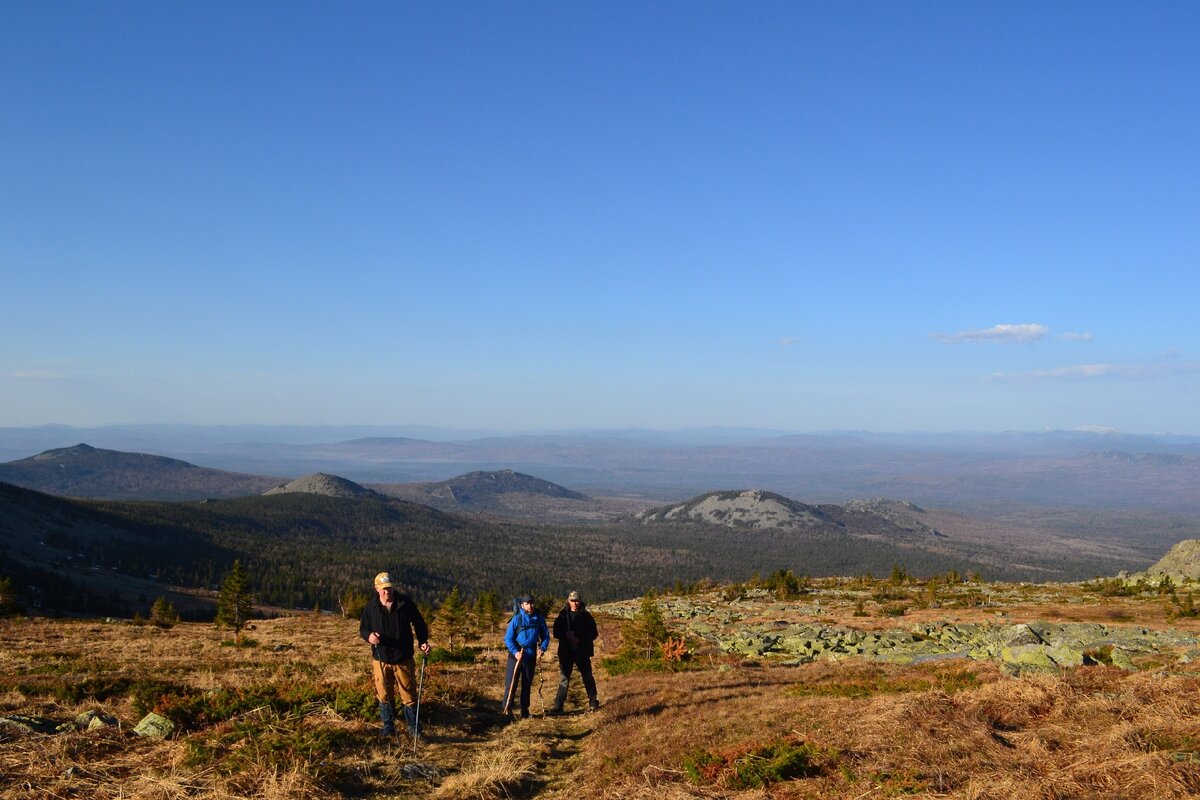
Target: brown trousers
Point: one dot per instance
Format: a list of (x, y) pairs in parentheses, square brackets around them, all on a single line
[(392, 678)]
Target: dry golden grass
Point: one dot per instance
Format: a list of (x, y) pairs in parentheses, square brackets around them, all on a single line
[(949, 729), (312, 748), (499, 770), (1088, 733)]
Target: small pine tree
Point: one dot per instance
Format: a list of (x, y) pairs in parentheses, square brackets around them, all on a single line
[(235, 602), (163, 613), (352, 602), (452, 617), (8, 597), (649, 629), (488, 612)]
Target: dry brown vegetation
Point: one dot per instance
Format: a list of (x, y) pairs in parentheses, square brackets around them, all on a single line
[(880, 730), (291, 716)]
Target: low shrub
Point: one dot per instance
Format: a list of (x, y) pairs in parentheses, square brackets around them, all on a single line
[(93, 689), (780, 760), (457, 655), (625, 662)]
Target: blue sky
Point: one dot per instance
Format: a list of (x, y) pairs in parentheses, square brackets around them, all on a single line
[(879, 216)]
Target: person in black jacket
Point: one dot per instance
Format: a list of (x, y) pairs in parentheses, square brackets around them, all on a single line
[(388, 624), (575, 630)]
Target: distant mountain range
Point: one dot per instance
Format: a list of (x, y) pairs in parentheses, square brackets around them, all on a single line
[(963, 470), (308, 539), (85, 471)]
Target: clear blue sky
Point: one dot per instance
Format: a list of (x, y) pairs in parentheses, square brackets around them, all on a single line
[(884, 216)]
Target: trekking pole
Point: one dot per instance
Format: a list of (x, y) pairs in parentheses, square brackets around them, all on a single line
[(541, 683), (417, 715), (512, 685)]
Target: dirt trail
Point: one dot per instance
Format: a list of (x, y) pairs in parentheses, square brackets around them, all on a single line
[(480, 753)]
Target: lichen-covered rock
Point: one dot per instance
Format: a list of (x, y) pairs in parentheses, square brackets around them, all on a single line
[(1064, 655), (91, 720), (1028, 656), (1190, 656), (1022, 635), (154, 725), (1123, 658)]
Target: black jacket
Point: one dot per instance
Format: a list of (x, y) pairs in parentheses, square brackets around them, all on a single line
[(582, 625), (395, 628)]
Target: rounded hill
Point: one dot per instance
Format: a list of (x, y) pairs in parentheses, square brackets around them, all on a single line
[(323, 484)]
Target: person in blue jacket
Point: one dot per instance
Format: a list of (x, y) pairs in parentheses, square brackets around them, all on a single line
[(526, 638)]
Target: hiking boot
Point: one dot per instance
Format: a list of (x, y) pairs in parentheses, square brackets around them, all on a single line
[(593, 704), (554, 712), (387, 715), (410, 719)]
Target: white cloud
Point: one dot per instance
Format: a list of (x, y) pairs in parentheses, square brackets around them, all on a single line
[(788, 341), (1088, 371), (1078, 337), (35, 375), (1020, 334), (1096, 429)]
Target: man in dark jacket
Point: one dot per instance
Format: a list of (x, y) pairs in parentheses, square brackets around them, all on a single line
[(575, 630), (388, 624)]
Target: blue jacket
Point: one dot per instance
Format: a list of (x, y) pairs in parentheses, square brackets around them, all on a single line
[(526, 632)]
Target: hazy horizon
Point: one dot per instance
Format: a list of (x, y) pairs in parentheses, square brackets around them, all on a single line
[(716, 430)]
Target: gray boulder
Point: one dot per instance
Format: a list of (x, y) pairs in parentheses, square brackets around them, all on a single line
[(91, 720), (155, 726)]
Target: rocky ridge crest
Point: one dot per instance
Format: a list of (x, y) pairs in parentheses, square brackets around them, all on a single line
[(323, 484)]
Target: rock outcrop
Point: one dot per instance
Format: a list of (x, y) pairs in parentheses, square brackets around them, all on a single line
[(737, 628), (752, 509), (1181, 561), (328, 485)]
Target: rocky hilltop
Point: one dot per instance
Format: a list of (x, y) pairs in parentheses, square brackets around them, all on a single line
[(752, 509), (1181, 561), (322, 484), (758, 510)]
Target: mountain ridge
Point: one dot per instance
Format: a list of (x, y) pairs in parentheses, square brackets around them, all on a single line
[(323, 484), (91, 472)]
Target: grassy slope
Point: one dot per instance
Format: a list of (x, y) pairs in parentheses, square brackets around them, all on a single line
[(290, 717)]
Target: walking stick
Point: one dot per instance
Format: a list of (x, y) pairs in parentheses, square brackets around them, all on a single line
[(417, 715), (511, 685)]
